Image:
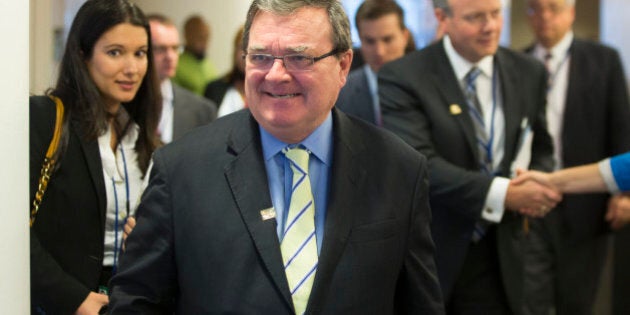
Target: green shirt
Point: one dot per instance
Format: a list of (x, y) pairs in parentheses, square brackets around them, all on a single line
[(193, 74)]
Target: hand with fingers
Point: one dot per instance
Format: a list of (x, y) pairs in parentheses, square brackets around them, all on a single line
[(618, 214), (534, 197), (129, 225), (92, 304)]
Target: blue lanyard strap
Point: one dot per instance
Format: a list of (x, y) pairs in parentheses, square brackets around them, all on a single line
[(489, 150)]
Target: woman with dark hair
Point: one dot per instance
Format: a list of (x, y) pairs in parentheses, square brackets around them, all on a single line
[(228, 91), (110, 93)]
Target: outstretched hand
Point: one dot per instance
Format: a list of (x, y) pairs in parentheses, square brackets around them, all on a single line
[(532, 194), (542, 178)]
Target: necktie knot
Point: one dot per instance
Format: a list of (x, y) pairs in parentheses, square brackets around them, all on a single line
[(298, 157), (547, 60), (471, 77)]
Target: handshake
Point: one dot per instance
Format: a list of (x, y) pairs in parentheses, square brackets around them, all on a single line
[(534, 193)]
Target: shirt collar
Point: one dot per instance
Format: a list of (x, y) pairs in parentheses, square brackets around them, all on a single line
[(166, 87), (461, 66), (318, 142), (558, 51)]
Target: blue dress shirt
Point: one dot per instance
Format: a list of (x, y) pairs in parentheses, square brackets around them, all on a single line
[(320, 144)]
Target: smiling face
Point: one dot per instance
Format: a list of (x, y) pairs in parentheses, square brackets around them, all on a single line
[(118, 64), (474, 27), (291, 105)]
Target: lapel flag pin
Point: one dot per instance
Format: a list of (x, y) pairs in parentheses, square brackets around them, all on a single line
[(455, 109), (268, 213)]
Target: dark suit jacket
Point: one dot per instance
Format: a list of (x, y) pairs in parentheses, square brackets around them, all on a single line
[(190, 111), (68, 235), (215, 90), (416, 94), (201, 247), (355, 97), (595, 125)]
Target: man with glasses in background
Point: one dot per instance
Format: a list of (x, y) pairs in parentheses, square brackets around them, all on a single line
[(588, 114), (472, 108), (290, 207), (182, 110)]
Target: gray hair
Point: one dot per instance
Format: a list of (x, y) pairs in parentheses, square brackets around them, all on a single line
[(336, 15)]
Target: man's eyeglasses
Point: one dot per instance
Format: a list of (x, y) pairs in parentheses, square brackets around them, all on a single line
[(161, 49), (292, 62), (554, 9), (481, 18)]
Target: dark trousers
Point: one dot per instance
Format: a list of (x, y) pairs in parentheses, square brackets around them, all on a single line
[(479, 289), (561, 273)]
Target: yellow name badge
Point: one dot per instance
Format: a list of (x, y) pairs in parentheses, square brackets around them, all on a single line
[(455, 109), (268, 214)]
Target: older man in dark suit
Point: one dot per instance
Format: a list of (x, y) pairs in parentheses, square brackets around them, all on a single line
[(588, 114), (473, 108), (182, 110), (287, 208)]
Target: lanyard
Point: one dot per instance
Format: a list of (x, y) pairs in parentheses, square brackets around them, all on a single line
[(489, 146), (116, 247)]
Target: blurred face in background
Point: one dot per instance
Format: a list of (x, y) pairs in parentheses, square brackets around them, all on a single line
[(382, 40), (118, 63), (550, 20), (474, 27), (166, 49)]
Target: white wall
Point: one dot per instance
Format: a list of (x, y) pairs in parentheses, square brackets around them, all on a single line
[(614, 24), (224, 17), (14, 243)]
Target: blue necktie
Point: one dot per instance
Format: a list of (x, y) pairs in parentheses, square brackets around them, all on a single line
[(483, 145), (476, 115)]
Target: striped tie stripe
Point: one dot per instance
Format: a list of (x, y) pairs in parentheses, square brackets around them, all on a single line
[(288, 263)]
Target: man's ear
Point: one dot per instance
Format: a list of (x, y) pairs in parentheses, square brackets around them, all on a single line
[(440, 14), (345, 61)]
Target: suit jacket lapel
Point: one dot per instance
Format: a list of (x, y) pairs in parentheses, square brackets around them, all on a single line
[(247, 178), (346, 179), (93, 159), (177, 114), (363, 93), (448, 85), (512, 108), (579, 80)]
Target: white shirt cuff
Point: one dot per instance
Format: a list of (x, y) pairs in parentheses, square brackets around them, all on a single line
[(606, 171), (495, 200)]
